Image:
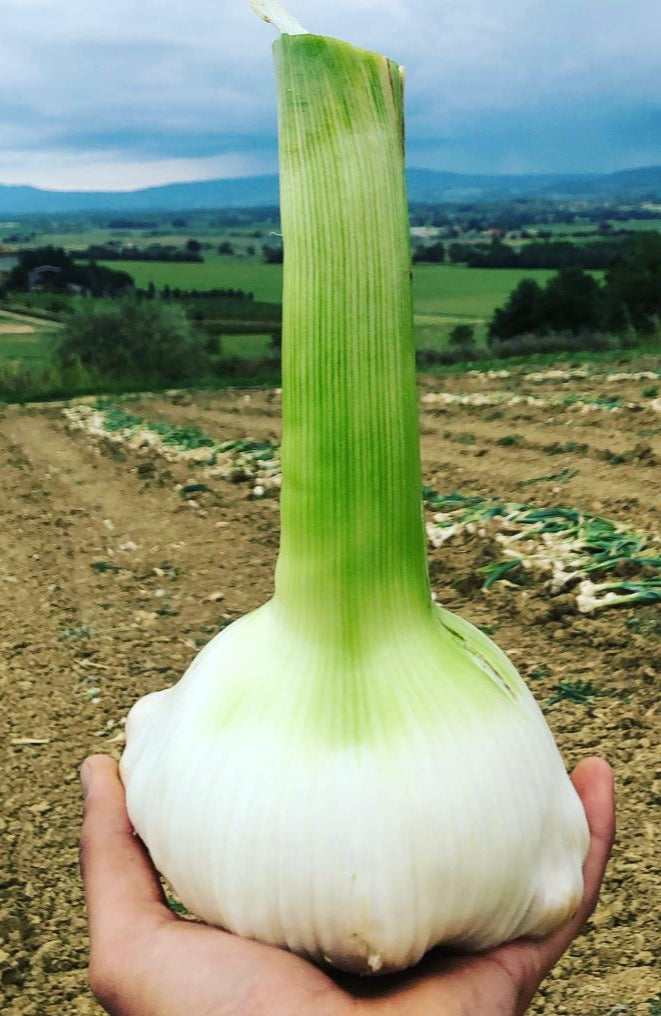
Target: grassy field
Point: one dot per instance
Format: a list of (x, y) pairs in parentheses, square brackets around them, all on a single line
[(458, 291), (75, 240), (246, 346), (78, 231), (443, 295), (26, 340), (216, 272), (452, 290)]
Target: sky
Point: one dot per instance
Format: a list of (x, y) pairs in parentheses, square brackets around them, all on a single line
[(134, 93)]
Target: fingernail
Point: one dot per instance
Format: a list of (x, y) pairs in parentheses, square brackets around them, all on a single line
[(86, 776)]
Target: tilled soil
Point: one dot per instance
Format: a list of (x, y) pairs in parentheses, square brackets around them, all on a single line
[(110, 580)]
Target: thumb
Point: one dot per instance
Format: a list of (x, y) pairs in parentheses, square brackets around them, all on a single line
[(121, 883)]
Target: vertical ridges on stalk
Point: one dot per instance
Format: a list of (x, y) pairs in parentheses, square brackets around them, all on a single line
[(353, 548)]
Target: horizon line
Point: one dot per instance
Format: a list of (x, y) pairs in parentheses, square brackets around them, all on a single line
[(260, 176)]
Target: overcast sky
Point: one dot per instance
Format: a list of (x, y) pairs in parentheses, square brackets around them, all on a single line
[(131, 93)]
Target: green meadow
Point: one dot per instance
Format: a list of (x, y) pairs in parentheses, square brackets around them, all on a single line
[(215, 272), (443, 295), (455, 290), (23, 340), (437, 289)]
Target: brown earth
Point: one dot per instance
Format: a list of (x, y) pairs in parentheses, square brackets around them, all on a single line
[(109, 582)]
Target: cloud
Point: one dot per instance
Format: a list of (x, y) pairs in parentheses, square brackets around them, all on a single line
[(115, 92), (84, 170)]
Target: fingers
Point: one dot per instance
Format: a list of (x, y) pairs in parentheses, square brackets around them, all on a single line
[(121, 884), (527, 962), (594, 783)]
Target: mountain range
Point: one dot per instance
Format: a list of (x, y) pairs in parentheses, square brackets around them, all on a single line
[(424, 185)]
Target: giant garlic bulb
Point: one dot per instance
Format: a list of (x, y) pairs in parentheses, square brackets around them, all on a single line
[(352, 772)]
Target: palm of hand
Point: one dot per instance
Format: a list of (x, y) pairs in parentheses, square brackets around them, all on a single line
[(147, 962), (189, 968)]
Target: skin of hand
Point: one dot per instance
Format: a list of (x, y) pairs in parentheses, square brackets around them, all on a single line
[(145, 961)]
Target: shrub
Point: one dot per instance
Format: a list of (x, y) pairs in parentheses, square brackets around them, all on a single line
[(273, 253), (552, 342), (426, 358), (462, 337), (129, 340)]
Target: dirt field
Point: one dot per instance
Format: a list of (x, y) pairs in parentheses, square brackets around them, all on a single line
[(111, 575)]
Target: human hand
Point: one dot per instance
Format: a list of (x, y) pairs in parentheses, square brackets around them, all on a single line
[(145, 961)]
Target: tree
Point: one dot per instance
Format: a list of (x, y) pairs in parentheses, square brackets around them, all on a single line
[(632, 290), (572, 302), (523, 312), (193, 246), (434, 252), (458, 252), (131, 340)]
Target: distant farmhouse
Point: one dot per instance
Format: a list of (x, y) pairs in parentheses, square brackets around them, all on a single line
[(48, 276), (43, 276)]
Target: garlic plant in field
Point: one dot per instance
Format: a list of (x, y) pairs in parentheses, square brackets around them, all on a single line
[(562, 545), (351, 771), (108, 423), (572, 403)]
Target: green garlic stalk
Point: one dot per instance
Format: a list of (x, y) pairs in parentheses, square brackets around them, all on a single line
[(351, 772)]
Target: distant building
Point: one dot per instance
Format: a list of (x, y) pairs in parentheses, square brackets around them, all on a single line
[(42, 276)]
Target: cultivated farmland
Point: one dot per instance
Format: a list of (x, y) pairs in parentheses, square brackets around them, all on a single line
[(135, 528)]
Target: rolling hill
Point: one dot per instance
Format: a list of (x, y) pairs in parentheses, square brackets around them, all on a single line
[(424, 185)]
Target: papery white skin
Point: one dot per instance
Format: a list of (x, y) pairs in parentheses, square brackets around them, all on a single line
[(273, 816)]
